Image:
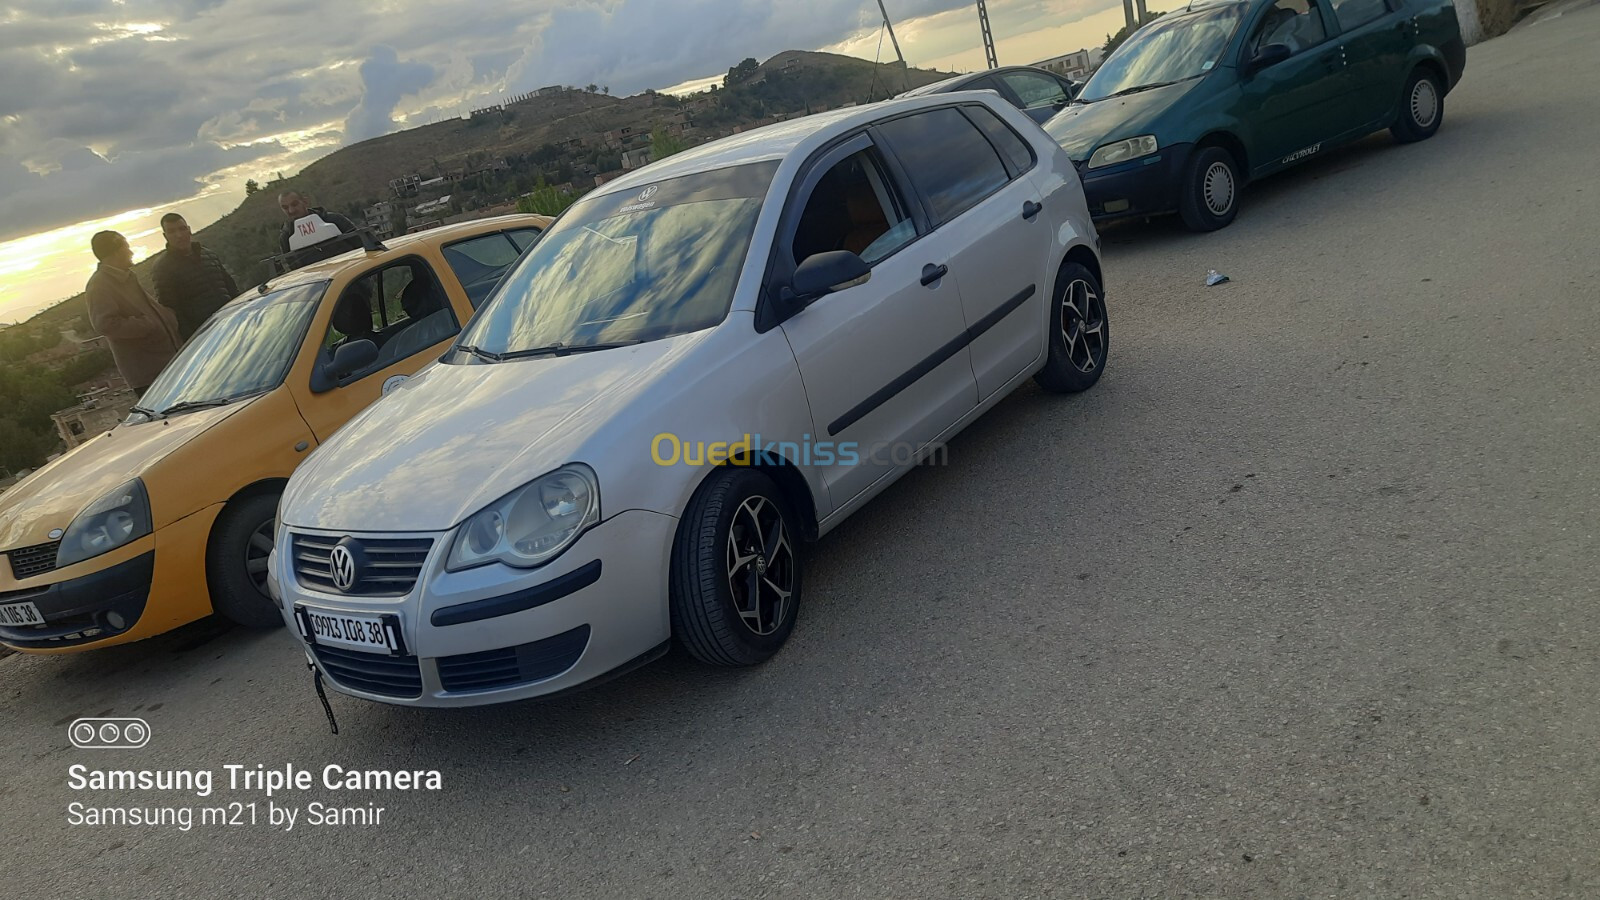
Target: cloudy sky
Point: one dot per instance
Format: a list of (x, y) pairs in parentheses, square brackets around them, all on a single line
[(114, 111)]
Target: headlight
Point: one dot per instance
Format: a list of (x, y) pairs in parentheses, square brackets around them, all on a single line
[(531, 525), (1122, 151), (106, 524)]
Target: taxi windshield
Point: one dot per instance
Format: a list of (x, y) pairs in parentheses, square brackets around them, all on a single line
[(627, 267), (1170, 49), (245, 349)]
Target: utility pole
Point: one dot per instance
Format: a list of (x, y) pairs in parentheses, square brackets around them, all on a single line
[(988, 36), (904, 70)]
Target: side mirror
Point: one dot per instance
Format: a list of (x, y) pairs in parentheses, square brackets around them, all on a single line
[(352, 357), (1270, 55), (825, 273)]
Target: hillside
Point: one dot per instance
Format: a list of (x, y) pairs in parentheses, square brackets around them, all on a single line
[(562, 137)]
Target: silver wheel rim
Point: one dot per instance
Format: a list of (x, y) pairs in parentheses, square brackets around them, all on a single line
[(1083, 326), (1218, 188), (256, 552), (1424, 103), (761, 565)]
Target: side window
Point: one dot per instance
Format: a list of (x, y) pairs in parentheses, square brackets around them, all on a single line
[(949, 159), (986, 83), (1035, 90), (853, 207), (479, 262), (524, 237), (1353, 14), (1009, 143), (1296, 24), (401, 308)]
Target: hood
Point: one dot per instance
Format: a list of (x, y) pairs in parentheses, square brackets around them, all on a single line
[(1082, 127), (457, 437), (51, 497)]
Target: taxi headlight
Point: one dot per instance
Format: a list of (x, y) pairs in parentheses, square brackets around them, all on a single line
[(116, 519), (1122, 151), (531, 525)]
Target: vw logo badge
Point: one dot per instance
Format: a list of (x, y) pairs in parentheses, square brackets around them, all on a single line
[(342, 566), (648, 192)]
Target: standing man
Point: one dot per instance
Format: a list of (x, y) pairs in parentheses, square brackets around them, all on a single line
[(190, 280), (294, 206), (143, 334)]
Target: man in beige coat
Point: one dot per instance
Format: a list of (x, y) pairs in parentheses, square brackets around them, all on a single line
[(143, 334)]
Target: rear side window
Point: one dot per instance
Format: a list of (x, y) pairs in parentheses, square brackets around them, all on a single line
[(1353, 14), (479, 262), (1013, 147), (950, 160), (524, 237), (1035, 90)]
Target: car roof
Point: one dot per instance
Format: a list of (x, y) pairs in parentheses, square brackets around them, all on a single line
[(955, 84), (399, 245), (771, 142)]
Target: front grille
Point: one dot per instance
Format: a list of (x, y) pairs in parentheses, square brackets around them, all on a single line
[(391, 676), (507, 666), (391, 567), (27, 562)]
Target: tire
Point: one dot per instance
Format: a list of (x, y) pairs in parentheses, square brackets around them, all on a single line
[(1209, 198), (1080, 334), (716, 624), (237, 594), (1421, 108)]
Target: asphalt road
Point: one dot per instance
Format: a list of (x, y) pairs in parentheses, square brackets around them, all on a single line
[(1299, 601)]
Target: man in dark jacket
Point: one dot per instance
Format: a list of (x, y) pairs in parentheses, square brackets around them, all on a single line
[(143, 334), (294, 207), (190, 280)]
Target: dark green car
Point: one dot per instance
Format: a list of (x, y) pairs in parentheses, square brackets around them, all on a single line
[(1202, 100)]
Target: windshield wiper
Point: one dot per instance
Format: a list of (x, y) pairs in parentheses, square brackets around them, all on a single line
[(559, 349), (192, 405), (481, 354), (148, 413)]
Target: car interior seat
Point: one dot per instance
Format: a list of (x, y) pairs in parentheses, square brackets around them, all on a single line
[(428, 321)]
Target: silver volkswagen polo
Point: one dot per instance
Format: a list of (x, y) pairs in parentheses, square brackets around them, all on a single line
[(701, 366)]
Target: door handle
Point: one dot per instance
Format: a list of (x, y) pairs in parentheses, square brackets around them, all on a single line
[(932, 273), (1031, 209)]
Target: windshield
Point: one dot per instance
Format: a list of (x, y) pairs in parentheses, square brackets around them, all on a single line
[(1172, 48), (246, 348), (629, 267)]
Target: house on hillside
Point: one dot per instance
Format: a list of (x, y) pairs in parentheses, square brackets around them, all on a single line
[(633, 159), (1075, 65), (382, 217), (96, 413)]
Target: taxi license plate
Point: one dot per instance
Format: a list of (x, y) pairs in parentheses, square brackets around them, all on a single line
[(353, 631), (20, 614)]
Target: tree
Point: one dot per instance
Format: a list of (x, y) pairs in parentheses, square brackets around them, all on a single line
[(664, 144), (741, 73), (545, 200), (251, 186), (592, 88), (606, 90)]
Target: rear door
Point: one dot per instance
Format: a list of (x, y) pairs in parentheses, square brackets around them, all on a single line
[(884, 363), (970, 171), (479, 262), (1377, 37)]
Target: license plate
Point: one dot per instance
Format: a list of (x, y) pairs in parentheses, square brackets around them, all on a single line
[(20, 614), (369, 634)]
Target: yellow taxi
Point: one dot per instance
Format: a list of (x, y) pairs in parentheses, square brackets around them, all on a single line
[(169, 517)]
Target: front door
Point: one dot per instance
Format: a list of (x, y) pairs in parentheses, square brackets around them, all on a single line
[(1295, 106), (884, 363), (403, 309)]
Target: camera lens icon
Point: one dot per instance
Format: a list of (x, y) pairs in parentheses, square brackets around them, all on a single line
[(109, 734)]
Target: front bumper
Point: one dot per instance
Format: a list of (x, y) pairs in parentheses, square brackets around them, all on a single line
[(495, 634), (1147, 186), (83, 610)]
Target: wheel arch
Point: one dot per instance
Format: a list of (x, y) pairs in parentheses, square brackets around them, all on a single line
[(254, 489), (791, 483), (1230, 142), (1083, 256)]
